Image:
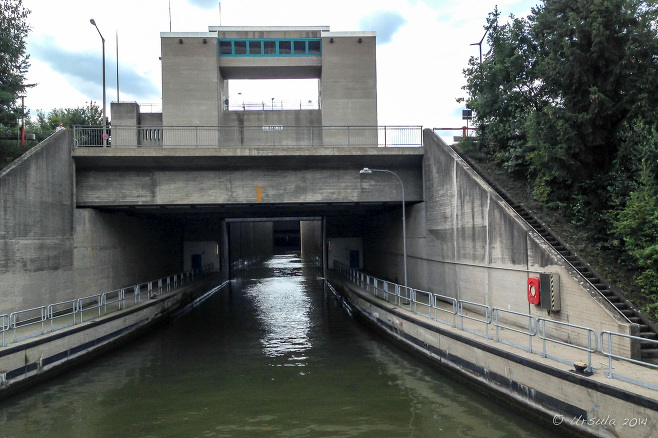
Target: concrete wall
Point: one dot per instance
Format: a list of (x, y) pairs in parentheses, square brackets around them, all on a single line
[(339, 250), (486, 252), (291, 179), (249, 243), (311, 236), (208, 250), (465, 242), (36, 226), (191, 92), (194, 77), (113, 250), (349, 79), (272, 118), (51, 252)]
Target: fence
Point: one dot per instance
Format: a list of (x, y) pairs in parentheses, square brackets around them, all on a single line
[(487, 316), (249, 136), (25, 324)]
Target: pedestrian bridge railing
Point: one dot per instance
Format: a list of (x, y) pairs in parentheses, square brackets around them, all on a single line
[(247, 136), (525, 325), (24, 324)]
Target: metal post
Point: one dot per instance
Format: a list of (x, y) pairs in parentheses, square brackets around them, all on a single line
[(104, 114)]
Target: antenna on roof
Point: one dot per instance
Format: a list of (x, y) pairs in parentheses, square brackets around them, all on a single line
[(169, 15), (220, 12)]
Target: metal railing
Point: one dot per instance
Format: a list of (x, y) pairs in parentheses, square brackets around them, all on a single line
[(4, 326), (532, 327), (273, 105), (590, 333), (25, 318), (611, 356), (62, 310), (455, 307), (30, 323), (393, 293), (249, 136), (486, 321)]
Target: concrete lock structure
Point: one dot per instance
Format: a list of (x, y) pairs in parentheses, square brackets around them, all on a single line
[(201, 186)]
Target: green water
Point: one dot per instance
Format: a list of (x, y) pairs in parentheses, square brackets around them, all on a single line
[(274, 355)]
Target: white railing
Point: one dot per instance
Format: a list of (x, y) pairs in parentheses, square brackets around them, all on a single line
[(30, 323), (249, 136), (395, 294)]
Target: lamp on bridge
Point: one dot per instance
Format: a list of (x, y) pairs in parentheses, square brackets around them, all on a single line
[(366, 171), (93, 22)]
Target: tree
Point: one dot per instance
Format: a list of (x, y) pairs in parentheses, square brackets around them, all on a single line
[(13, 67), (596, 60), (502, 92), (13, 60)]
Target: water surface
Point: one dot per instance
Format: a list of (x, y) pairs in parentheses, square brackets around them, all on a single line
[(273, 354)]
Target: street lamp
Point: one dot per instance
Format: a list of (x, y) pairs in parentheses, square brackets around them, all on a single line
[(104, 117), (366, 171)]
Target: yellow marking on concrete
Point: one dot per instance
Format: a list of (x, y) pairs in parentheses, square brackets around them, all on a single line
[(258, 194)]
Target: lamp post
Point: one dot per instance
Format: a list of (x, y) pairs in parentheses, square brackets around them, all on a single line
[(93, 22), (366, 171)]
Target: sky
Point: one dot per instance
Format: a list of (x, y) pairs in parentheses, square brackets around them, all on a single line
[(422, 48)]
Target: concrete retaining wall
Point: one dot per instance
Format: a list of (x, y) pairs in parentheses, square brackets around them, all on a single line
[(36, 226), (112, 250), (465, 242), (51, 252)]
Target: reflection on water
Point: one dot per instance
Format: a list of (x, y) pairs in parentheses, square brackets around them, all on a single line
[(282, 307), (273, 355)]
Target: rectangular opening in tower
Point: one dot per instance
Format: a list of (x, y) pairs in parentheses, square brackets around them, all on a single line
[(273, 94)]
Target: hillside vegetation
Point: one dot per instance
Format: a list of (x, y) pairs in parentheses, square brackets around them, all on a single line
[(566, 111)]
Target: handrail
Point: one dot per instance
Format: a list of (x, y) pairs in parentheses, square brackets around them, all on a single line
[(429, 305), (532, 328), (250, 136), (71, 308), (4, 326), (536, 326), (95, 301), (541, 323), (118, 300), (610, 355), (54, 312), (453, 301), (15, 322), (486, 321)]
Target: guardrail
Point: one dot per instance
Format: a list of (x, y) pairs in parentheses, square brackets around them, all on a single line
[(486, 321), (25, 323), (249, 136), (532, 327), (4, 326), (590, 333), (611, 356), (535, 326)]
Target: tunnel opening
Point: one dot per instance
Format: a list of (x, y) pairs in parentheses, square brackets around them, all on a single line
[(251, 241), (287, 237)]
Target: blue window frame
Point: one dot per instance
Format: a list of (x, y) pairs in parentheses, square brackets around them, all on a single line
[(270, 47)]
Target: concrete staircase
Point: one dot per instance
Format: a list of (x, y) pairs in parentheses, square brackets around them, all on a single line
[(648, 329)]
